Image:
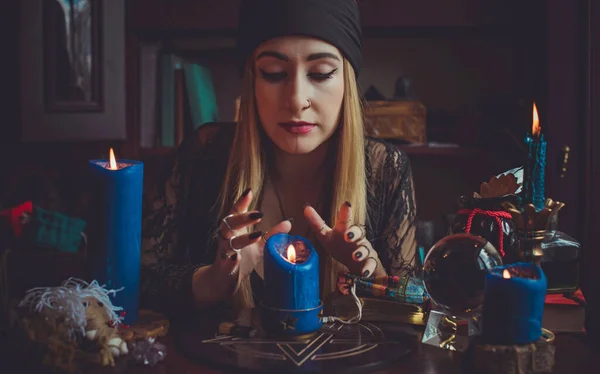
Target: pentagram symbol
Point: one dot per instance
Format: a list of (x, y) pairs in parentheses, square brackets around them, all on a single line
[(333, 342), (289, 323)]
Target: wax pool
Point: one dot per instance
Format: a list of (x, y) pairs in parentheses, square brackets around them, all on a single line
[(291, 302), (513, 306), (116, 232)]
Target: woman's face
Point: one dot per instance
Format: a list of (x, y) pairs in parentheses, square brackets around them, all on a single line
[(299, 88)]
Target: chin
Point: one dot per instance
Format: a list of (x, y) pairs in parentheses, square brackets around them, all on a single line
[(297, 146)]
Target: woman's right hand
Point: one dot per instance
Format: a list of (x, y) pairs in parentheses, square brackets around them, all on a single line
[(240, 251)]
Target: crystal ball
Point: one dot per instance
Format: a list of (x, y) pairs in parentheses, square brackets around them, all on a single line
[(454, 272)]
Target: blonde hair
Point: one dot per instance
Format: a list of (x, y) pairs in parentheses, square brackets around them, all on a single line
[(248, 163)]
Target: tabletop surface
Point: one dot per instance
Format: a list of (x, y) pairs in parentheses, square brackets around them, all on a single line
[(572, 356)]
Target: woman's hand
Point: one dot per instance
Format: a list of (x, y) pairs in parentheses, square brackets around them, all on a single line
[(240, 251), (345, 242)]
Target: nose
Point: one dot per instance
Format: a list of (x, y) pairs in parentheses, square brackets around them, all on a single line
[(297, 94)]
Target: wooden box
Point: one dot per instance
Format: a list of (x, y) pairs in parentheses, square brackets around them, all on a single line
[(399, 120)]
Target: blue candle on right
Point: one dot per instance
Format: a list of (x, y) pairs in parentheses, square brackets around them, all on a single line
[(535, 168), (513, 304)]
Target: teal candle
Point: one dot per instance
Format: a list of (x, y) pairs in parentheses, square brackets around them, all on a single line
[(513, 304), (535, 167)]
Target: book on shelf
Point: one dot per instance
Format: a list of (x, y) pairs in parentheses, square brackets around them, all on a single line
[(177, 96)]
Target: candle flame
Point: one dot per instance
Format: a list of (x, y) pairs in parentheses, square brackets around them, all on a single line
[(505, 274), (535, 128), (112, 161), (291, 254)]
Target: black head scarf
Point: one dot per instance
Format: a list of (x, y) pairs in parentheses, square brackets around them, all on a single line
[(334, 21)]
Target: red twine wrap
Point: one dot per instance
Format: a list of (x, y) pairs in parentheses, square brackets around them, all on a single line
[(490, 213)]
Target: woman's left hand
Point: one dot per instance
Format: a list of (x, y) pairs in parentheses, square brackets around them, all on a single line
[(345, 242)]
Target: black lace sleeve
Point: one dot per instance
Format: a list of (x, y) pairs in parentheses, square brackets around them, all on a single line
[(164, 281), (394, 207), (167, 266)]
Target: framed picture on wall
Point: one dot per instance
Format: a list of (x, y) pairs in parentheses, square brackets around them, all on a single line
[(72, 70), (72, 55)]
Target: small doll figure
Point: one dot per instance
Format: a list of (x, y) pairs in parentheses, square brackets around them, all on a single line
[(84, 311)]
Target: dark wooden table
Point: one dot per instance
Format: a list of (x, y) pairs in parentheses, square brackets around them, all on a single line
[(572, 356)]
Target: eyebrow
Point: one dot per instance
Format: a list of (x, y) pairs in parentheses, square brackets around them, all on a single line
[(311, 57)]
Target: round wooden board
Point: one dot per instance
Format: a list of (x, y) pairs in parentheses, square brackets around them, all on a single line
[(336, 348), (149, 324)]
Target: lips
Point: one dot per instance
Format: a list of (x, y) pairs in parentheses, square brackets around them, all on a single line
[(297, 128)]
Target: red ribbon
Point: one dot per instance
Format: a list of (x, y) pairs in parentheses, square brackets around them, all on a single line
[(497, 215), (14, 216)]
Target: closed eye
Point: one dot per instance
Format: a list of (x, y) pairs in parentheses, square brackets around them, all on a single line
[(273, 77), (322, 76), (279, 76)]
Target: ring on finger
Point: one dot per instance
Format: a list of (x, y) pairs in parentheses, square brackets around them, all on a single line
[(264, 236), (323, 227), (363, 232), (236, 250), (356, 253), (232, 273), (224, 220), (225, 255)]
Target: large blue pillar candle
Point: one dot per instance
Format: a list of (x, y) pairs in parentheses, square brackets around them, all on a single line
[(513, 305), (117, 216), (291, 304)]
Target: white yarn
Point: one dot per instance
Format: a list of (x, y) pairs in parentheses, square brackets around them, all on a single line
[(354, 320), (66, 301)]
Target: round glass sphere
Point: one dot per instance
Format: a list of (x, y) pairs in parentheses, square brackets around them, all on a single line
[(455, 269)]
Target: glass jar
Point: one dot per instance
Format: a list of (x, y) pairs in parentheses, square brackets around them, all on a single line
[(560, 261), (486, 218)]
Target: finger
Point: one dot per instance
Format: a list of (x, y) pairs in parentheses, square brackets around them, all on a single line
[(229, 262), (361, 253), (237, 221), (344, 218), (282, 227), (242, 204), (315, 222), (236, 243), (369, 267), (354, 234)]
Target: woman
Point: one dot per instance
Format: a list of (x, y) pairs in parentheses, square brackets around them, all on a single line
[(297, 161)]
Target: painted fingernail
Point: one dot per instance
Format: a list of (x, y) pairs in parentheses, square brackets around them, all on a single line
[(291, 219), (348, 204), (358, 255), (306, 204), (350, 235), (246, 192), (255, 215), (233, 257), (255, 235), (366, 273)]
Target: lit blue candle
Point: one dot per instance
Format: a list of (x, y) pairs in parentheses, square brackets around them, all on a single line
[(513, 305), (291, 304), (535, 167), (116, 230)]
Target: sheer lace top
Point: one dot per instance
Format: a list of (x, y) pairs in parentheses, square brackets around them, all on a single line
[(180, 213)]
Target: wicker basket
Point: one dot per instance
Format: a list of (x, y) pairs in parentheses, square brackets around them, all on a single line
[(400, 120)]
